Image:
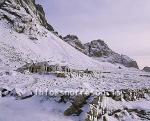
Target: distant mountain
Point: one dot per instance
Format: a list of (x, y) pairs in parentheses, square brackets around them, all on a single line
[(99, 50)]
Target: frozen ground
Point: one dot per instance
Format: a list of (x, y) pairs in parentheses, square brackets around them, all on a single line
[(98, 81), (32, 109), (41, 108)]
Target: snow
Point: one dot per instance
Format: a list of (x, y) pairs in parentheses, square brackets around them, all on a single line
[(123, 107), (99, 81), (43, 108), (32, 109), (18, 49), (50, 48)]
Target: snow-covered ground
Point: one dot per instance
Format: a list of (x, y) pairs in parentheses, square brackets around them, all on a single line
[(33, 109), (42, 108), (99, 81), (128, 111)]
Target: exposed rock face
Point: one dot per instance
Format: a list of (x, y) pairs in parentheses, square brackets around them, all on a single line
[(43, 20), (78, 102), (99, 50), (74, 42), (147, 69), (110, 104), (23, 15)]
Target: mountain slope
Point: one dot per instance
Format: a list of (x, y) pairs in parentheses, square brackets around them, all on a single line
[(100, 51), (31, 42)]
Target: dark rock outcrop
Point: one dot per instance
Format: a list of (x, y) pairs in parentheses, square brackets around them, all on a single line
[(99, 106), (74, 42), (2, 2), (43, 20), (78, 102), (99, 50), (147, 69), (23, 15), (38, 10)]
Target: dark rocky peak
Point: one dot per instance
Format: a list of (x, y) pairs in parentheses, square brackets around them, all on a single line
[(147, 69), (41, 14), (70, 37), (75, 42), (99, 50)]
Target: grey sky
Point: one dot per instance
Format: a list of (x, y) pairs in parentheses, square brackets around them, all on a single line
[(123, 24)]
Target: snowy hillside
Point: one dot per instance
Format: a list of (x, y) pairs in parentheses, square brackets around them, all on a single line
[(38, 44), (35, 62), (22, 49)]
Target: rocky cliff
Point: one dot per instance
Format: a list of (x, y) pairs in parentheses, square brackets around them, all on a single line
[(99, 50), (23, 15)]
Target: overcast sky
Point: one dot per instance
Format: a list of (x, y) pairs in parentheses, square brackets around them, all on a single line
[(123, 24)]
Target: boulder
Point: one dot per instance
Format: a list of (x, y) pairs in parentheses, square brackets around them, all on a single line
[(77, 104), (147, 69)]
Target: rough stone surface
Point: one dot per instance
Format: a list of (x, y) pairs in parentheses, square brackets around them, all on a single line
[(23, 15), (99, 50), (147, 69), (74, 42)]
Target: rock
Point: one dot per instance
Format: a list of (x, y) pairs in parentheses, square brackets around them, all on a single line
[(128, 62), (72, 111), (26, 95), (147, 69), (100, 51), (64, 98), (18, 94), (42, 18), (20, 21), (101, 105), (97, 48), (74, 42), (80, 100), (77, 104), (61, 75), (4, 92), (2, 2), (19, 27)]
